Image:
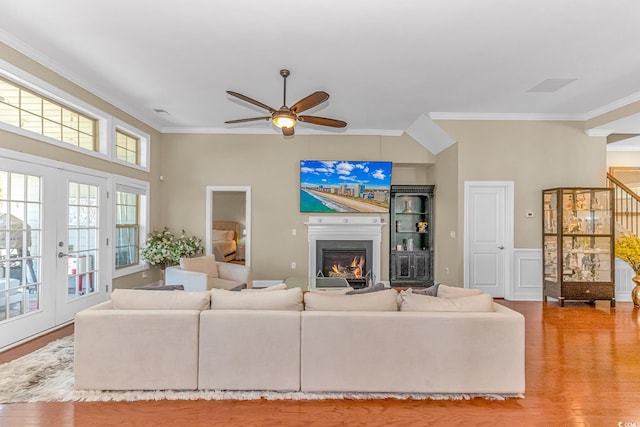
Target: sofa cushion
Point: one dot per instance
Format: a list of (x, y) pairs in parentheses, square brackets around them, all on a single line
[(445, 291), (284, 299), (375, 288), (432, 291), (132, 299), (384, 300), (203, 264), (471, 303)]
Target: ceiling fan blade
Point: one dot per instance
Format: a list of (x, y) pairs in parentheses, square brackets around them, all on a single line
[(316, 98), (288, 131), (247, 120), (251, 101), (322, 121)]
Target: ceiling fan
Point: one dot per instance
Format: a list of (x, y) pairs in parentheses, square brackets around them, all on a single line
[(287, 117)]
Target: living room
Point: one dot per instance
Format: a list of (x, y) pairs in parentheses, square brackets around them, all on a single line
[(533, 154)]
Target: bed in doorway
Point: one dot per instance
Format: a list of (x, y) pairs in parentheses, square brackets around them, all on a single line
[(224, 236)]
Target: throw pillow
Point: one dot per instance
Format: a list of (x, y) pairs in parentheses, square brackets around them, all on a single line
[(332, 291), (203, 264), (471, 303), (161, 288), (239, 287), (384, 300), (284, 299), (445, 291), (132, 299), (278, 287), (224, 235), (432, 291), (375, 288)]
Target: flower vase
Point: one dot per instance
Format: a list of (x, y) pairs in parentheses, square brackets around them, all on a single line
[(635, 292)]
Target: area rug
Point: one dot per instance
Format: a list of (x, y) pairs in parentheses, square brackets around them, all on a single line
[(46, 375)]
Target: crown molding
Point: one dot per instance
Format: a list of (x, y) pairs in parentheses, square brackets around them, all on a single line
[(622, 148), (613, 106), (505, 116), (598, 132), (271, 131)]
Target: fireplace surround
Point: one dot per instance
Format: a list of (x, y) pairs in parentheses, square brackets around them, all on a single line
[(352, 243)]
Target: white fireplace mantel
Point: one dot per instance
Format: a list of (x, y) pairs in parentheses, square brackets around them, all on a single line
[(345, 228)]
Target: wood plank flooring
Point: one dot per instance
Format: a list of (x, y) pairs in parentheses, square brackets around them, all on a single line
[(582, 368)]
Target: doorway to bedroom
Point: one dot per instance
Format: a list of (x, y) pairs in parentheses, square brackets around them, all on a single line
[(228, 223)]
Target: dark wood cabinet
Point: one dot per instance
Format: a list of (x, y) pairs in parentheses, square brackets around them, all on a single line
[(411, 235), (578, 244)]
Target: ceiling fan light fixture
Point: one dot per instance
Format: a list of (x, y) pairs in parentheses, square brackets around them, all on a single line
[(284, 120)]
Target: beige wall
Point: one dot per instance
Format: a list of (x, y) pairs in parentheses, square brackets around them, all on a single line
[(229, 206), (534, 155), (448, 263), (270, 166), (623, 158)]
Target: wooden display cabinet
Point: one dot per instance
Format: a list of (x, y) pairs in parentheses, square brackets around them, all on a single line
[(578, 244), (411, 235)]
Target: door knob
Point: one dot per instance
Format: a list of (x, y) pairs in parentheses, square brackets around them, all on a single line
[(62, 255), (501, 247)]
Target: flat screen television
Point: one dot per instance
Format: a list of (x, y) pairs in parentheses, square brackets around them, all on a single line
[(344, 186)]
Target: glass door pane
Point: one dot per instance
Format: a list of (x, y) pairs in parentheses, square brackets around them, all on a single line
[(83, 237), (20, 252)]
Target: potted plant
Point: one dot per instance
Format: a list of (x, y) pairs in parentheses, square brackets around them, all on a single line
[(164, 250), (628, 250)]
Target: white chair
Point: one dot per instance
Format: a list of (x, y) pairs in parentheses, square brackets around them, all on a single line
[(199, 274)]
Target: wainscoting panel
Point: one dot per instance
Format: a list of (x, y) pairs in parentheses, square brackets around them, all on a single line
[(527, 275), (624, 273)]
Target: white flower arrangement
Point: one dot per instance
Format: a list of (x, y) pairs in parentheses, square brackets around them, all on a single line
[(163, 249)]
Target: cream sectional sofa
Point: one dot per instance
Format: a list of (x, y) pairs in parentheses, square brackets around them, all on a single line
[(267, 340)]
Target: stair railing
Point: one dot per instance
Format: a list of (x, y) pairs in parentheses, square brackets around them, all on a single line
[(627, 205)]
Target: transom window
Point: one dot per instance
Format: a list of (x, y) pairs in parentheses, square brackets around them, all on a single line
[(127, 147), (25, 109)]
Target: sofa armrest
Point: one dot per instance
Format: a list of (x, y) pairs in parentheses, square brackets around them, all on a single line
[(235, 272), (191, 280)]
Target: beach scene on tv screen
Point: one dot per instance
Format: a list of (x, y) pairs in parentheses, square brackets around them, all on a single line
[(344, 186)]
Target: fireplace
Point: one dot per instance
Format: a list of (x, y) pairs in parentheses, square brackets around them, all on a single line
[(352, 244), (349, 259)]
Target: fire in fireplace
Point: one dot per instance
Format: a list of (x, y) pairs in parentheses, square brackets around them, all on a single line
[(349, 259), (352, 270)]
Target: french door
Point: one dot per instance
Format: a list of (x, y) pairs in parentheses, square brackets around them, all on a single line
[(53, 257), (81, 244)]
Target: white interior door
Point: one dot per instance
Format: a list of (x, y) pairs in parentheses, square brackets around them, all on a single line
[(488, 236), (81, 248)]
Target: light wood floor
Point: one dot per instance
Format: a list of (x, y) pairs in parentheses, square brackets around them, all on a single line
[(582, 368)]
